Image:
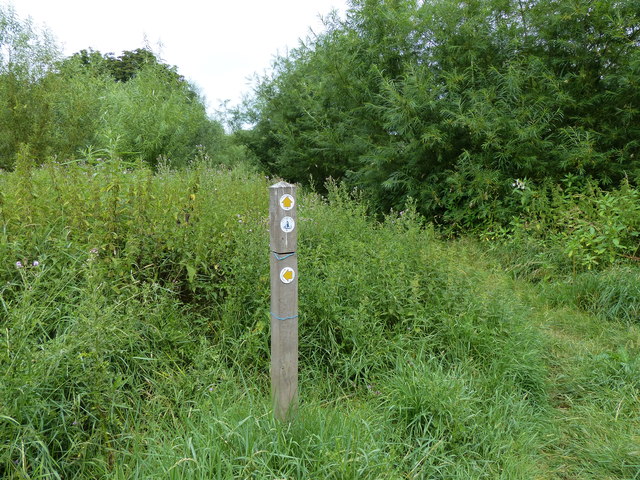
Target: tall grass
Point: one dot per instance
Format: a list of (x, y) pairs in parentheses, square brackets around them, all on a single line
[(612, 294), (135, 337)]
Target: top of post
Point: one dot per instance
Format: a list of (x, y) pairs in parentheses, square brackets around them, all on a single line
[(282, 218), (282, 185)]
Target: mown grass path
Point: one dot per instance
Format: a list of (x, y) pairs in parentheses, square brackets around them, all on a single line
[(595, 396), (594, 390), (593, 377)]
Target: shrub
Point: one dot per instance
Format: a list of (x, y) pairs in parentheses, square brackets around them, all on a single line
[(153, 115)]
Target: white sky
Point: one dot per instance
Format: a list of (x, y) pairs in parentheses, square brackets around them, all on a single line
[(215, 44)]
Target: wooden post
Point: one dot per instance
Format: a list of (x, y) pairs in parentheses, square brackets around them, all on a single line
[(284, 299)]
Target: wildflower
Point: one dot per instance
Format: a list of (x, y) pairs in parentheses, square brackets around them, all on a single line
[(372, 390), (519, 184), (19, 265), (36, 263), (93, 251)]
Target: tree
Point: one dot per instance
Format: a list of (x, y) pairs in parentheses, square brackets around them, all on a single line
[(155, 115), (132, 105), (147, 109), (449, 101), (26, 55), (124, 67)]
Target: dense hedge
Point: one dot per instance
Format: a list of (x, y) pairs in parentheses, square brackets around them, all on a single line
[(451, 103)]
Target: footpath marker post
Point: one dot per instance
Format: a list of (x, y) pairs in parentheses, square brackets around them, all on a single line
[(284, 300)]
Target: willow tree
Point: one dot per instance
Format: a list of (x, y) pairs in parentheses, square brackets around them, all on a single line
[(449, 102), (27, 53), (132, 106)]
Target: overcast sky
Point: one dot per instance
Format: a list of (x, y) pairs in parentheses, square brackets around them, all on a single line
[(215, 44)]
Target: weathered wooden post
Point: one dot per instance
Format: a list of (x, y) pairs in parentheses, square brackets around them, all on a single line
[(284, 299)]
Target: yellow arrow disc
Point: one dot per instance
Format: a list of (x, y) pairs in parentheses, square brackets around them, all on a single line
[(287, 202), (287, 275)]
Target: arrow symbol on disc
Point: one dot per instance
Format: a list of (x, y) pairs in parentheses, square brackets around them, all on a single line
[(288, 275)]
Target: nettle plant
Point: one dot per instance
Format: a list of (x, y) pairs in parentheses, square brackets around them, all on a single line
[(590, 226), (601, 227)]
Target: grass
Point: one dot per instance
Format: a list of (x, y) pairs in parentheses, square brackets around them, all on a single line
[(591, 322), (138, 345), (595, 395)]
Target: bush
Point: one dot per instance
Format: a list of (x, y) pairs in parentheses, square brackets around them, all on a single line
[(571, 228), (154, 116)]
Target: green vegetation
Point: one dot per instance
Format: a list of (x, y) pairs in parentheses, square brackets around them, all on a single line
[(90, 104), (134, 277), (450, 102), (135, 340)]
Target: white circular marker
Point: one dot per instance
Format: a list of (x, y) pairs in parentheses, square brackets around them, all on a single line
[(287, 224), (287, 275), (287, 202)]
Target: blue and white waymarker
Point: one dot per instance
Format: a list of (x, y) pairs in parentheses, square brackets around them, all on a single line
[(287, 224)]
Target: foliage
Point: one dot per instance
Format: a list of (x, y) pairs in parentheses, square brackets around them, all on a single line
[(449, 102), (585, 225), (27, 51), (132, 105), (134, 316), (124, 67), (120, 286), (26, 55), (154, 115)]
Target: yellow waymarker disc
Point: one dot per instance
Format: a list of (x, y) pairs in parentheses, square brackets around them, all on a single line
[(287, 275), (287, 202)]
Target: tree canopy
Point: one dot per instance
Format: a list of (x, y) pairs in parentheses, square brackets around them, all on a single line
[(132, 106), (449, 102), (125, 66)]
